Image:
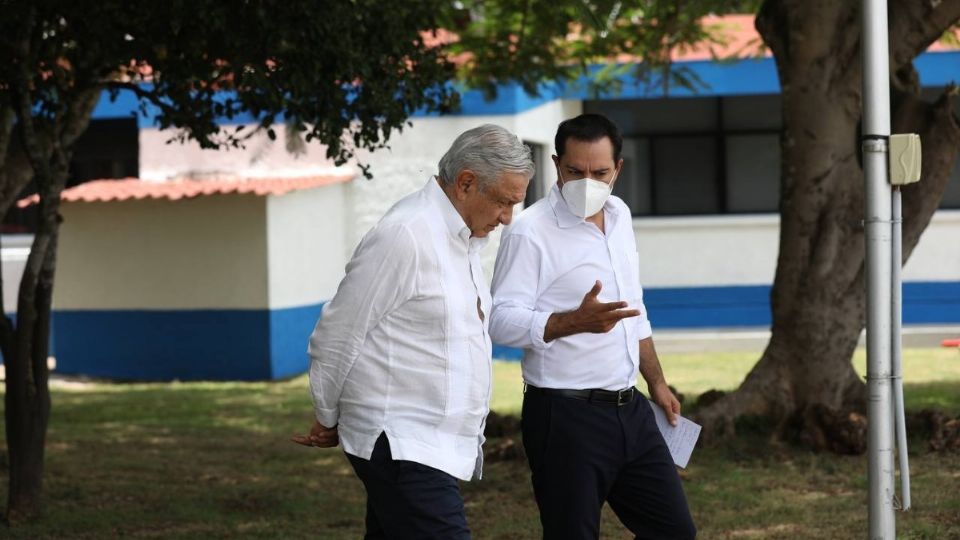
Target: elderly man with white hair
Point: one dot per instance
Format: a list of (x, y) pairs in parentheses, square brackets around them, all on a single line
[(401, 359)]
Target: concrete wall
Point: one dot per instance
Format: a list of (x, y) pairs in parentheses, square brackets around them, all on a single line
[(203, 253), (218, 287), (306, 245), (937, 255), (718, 270), (307, 255), (160, 290), (259, 158), (16, 249)]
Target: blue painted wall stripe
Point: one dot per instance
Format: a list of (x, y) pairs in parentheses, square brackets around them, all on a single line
[(271, 344), (164, 345), (741, 77), (749, 306), (290, 330), (730, 306), (184, 344)]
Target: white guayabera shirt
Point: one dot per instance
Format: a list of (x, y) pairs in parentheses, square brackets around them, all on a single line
[(402, 348), (548, 260)]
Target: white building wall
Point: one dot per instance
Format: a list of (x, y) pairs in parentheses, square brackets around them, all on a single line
[(203, 253), (742, 250), (16, 249), (937, 255), (708, 250), (259, 158), (306, 245), (675, 251)]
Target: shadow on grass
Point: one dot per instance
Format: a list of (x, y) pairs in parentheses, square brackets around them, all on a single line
[(213, 460)]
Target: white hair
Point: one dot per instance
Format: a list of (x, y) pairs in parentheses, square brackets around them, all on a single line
[(488, 151)]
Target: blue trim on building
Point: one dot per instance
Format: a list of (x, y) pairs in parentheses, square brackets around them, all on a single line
[(924, 302), (938, 68), (124, 104), (289, 331), (706, 307), (184, 344), (722, 78), (271, 344), (931, 302), (502, 352)]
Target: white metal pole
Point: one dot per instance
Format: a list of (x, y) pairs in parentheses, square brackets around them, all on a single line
[(896, 358), (876, 132)]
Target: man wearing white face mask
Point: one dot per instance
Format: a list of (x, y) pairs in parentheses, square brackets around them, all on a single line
[(566, 288)]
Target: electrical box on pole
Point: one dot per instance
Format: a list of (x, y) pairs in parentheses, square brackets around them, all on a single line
[(904, 158)]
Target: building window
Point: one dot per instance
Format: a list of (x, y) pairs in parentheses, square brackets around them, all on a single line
[(536, 189), (696, 156), (752, 172), (685, 175), (107, 149)]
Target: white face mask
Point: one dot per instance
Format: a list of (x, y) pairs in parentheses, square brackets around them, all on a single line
[(585, 197)]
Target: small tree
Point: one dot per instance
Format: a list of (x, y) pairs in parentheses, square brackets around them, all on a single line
[(346, 74)]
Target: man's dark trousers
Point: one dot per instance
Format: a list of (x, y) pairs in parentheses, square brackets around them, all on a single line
[(408, 500), (582, 453)]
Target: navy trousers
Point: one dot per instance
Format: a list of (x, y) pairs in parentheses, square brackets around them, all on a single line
[(408, 500), (582, 454)]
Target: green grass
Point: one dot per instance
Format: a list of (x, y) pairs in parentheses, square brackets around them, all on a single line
[(212, 460), (930, 376)]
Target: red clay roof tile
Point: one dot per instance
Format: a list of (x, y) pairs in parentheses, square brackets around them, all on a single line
[(133, 188)]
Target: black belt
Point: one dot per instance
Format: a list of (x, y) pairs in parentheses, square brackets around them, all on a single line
[(612, 397)]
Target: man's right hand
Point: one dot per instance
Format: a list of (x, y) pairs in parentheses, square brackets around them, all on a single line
[(592, 316), (320, 436)]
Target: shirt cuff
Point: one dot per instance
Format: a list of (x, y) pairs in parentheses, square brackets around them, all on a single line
[(645, 330), (328, 417), (537, 329)]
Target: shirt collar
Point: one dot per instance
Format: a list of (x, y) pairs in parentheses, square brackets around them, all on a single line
[(451, 218), (567, 219)]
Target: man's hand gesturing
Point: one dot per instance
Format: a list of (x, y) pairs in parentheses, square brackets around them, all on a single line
[(592, 316)]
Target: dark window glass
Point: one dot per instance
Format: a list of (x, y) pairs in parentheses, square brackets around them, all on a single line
[(685, 175), (753, 173), (535, 189)]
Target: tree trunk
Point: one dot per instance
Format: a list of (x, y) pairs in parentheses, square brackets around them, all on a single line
[(804, 380), (28, 393), (41, 152)]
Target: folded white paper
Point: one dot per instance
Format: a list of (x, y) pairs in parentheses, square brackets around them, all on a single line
[(681, 438)]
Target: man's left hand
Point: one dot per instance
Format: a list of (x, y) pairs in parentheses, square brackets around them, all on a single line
[(320, 436), (662, 396)]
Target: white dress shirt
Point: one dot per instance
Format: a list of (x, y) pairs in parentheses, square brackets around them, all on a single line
[(548, 260), (402, 349)]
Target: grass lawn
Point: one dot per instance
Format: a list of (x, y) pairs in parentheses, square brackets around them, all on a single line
[(212, 460)]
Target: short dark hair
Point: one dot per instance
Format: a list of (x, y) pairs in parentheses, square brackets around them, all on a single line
[(589, 127)]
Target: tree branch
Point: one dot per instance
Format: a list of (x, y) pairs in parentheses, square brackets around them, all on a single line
[(23, 103), (771, 23), (940, 133), (7, 122), (77, 117), (915, 25)]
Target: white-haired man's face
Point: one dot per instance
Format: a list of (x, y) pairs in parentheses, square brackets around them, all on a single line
[(484, 209)]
